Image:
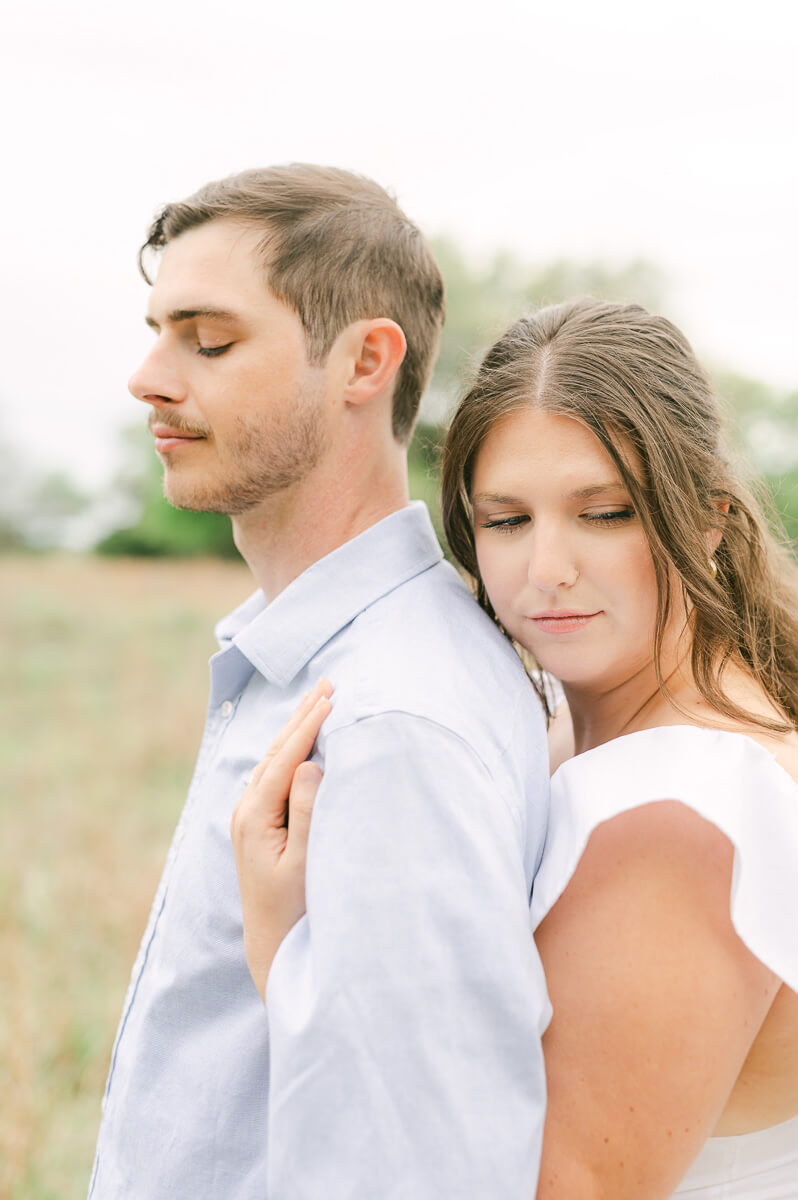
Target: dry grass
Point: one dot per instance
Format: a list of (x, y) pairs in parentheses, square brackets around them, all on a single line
[(105, 685)]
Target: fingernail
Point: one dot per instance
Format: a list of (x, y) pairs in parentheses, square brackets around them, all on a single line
[(309, 772)]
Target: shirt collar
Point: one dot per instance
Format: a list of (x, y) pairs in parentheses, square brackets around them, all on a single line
[(280, 638)]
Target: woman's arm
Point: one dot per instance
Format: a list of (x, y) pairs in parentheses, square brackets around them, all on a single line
[(656, 1003)]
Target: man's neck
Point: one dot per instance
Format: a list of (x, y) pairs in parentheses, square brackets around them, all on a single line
[(288, 532)]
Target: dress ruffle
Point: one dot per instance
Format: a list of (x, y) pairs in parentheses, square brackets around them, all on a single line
[(727, 778)]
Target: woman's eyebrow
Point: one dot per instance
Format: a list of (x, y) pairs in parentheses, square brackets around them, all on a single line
[(493, 498), (584, 493), (597, 489)]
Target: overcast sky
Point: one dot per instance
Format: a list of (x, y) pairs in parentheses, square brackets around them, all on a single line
[(588, 130)]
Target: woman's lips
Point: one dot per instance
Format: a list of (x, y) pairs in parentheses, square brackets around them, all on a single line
[(562, 622)]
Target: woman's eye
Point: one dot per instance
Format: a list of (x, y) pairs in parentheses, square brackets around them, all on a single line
[(504, 524), (213, 351), (615, 517)]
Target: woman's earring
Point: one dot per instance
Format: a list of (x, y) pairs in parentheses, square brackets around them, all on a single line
[(713, 566)]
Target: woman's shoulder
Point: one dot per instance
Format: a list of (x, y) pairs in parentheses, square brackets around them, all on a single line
[(688, 739), (747, 695)]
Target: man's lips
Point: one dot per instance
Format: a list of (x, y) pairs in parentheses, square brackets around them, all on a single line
[(563, 620), (167, 438)]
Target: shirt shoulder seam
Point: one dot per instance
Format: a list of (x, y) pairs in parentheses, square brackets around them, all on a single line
[(450, 733)]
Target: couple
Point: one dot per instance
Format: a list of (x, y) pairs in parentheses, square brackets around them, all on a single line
[(619, 958)]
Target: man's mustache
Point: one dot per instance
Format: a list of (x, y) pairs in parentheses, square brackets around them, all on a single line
[(177, 423)]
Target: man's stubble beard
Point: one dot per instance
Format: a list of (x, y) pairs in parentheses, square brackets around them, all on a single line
[(259, 461)]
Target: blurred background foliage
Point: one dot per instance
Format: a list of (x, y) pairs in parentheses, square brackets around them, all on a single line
[(50, 511)]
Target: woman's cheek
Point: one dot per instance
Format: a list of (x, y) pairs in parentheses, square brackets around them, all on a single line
[(636, 572)]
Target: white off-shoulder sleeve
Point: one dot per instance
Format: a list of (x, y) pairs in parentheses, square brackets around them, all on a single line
[(727, 778)]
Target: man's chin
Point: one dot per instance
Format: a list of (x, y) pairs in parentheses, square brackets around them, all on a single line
[(197, 499)]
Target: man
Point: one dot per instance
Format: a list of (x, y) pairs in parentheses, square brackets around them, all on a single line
[(297, 314)]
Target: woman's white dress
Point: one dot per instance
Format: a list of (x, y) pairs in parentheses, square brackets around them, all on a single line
[(734, 782)]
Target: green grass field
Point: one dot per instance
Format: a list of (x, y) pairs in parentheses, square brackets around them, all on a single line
[(103, 700)]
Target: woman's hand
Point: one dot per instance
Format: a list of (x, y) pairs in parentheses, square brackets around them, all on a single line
[(269, 829)]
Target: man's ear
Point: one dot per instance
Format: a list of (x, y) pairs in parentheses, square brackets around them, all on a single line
[(375, 351)]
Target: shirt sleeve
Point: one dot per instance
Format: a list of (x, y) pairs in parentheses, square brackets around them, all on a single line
[(406, 1008)]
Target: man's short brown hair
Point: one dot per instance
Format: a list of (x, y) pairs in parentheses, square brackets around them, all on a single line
[(337, 249)]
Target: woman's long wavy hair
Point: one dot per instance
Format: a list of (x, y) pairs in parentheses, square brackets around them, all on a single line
[(632, 379)]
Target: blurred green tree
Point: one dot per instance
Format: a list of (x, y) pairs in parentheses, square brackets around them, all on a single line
[(159, 529), (764, 424), (784, 491), (39, 509), (482, 298)]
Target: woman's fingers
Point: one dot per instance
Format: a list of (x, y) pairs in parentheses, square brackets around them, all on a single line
[(303, 709), (269, 851), (305, 785), (295, 749), (266, 797)]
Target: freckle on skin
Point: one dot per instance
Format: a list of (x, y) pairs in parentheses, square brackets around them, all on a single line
[(606, 1140), (631, 1108), (670, 1133)]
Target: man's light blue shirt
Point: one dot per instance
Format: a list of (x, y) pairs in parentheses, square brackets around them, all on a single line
[(398, 1056)]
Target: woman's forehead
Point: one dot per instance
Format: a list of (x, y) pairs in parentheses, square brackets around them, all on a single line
[(534, 439)]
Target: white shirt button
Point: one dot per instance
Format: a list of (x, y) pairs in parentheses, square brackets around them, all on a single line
[(227, 709)]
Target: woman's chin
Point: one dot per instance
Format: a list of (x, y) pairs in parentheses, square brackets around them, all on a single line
[(569, 664)]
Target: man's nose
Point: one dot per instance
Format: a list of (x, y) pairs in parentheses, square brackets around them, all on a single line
[(156, 380), (551, 564)]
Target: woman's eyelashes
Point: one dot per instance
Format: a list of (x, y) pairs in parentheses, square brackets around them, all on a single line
[(614, 517), (505, 523), (213, 351), (603, 520)]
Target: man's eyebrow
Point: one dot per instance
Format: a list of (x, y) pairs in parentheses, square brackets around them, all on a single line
[(192, 314)]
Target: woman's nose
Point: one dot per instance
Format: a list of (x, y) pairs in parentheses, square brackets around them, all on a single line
[(551, 565)]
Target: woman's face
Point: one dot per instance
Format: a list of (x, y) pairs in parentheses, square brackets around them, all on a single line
[(562, 554)]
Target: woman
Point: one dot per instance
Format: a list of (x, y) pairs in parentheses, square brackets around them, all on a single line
[(587, 492)]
